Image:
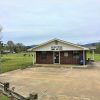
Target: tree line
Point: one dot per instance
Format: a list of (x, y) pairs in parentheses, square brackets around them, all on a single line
[(97, 48), (11, 47)]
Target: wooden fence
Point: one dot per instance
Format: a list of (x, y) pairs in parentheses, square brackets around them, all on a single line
[(4, 88)]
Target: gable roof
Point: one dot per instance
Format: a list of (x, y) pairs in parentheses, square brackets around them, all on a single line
[(62, 41)]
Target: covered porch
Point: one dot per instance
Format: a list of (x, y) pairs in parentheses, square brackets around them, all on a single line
[(60, 66), (57, 51), (60, 57)]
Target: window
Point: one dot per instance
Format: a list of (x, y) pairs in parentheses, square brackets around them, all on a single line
[(66, 54), (52, 48), (43, 55), (76, 54)]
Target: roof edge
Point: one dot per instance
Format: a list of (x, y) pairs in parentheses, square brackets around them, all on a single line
[(66, 42)]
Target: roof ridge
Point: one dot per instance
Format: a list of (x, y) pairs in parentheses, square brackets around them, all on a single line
[(62, 42)]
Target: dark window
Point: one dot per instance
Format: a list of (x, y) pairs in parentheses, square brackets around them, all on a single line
[(43, 55), (52, 48), (66, 54), (76, 54)]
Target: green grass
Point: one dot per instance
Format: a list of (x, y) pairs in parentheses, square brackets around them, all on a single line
[(3, 97), (15, 61), (96, 56), (12, 62)]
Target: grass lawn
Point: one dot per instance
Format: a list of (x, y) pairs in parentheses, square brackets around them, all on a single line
[(3, 97), (15, 61), (96, 56), (11, 62)]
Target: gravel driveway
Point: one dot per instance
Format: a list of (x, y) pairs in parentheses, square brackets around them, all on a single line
[(56, 83)]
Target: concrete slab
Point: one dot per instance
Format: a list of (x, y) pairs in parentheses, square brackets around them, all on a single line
[(61, 65), (56, 83)]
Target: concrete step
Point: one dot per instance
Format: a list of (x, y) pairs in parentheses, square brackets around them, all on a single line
[(60, 65)]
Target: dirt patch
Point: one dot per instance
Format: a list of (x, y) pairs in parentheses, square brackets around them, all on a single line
[(56, 83)]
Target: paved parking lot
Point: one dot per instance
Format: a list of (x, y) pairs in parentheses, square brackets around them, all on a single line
[(56, 83)]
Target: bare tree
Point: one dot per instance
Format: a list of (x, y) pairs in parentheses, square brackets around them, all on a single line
[(0, 37), (0, 32)]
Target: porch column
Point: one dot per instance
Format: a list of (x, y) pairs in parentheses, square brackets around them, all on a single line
[(59, 57), (93, 55), (34, 58), (83, 57)]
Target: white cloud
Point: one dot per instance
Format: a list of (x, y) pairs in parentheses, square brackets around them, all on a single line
[(50, 18)]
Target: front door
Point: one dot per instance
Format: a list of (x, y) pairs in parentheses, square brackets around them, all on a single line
[(56, 57)]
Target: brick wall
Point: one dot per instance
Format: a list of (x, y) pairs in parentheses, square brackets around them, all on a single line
[(63, 59), (70, 59), (47, 60)]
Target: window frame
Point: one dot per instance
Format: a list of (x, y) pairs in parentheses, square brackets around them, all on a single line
[(43, 54), (65, 54), (76, 54)]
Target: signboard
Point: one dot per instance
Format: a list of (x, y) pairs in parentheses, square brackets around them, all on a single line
[(66, 54), (56, 48)]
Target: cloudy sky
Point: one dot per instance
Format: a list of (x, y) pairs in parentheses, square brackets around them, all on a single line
[(36, 21)]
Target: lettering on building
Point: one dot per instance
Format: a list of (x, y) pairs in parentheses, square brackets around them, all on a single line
[(56, 47)]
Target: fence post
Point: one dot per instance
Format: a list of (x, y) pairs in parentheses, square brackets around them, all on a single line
[(0, 63), (15, 96), (6, 86), (33, 96)]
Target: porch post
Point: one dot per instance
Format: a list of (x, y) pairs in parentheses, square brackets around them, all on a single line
[(83, 57), (53, 57), (34, 58), (59, 57), (93, 55)]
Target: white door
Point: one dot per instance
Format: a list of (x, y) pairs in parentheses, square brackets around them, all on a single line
[(56, 57)]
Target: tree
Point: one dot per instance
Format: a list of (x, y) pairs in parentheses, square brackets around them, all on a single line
[(11, 46), (97, 48), (19, 47), (10, 43), (1, 44), (0, 32)]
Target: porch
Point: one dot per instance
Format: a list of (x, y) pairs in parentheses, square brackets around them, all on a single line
[(60, 57), (60, 66)]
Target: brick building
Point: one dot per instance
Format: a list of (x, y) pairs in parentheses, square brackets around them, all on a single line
[(57, 51)]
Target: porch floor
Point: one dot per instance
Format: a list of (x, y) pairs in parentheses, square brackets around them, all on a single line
[(60, 65)]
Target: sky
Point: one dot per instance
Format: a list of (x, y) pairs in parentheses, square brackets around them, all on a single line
[(36, 21)]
